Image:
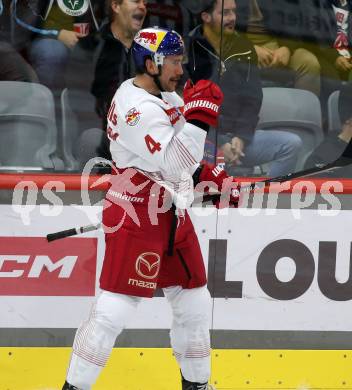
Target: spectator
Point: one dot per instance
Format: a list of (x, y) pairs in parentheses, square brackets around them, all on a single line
[(57, 26), (335, 142), (13, 67), (343, 38), (240, 81), (114, 65), (278, 32), (331, 26)]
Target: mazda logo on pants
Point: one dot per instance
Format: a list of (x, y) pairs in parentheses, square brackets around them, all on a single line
[(148, 265)]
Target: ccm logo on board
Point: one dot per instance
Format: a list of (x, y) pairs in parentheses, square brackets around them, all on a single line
[(32, 266)]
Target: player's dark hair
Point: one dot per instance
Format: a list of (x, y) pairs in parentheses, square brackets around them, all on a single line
[(141, 70)]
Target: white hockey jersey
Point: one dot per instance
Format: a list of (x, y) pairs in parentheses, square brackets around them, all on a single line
[(151, 135)]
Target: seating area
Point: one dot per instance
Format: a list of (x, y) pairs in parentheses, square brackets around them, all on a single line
[(29, 136), (77, 115), (296, 111), (32, 140), (334, 121)]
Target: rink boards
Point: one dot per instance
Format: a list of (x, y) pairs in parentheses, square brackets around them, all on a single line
[(156, 369), (281, 287)]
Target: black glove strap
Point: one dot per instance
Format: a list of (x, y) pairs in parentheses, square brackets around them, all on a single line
[(196, 175), (204, 126)]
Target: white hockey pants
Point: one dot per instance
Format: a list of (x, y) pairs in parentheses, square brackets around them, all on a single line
[(189, 334)]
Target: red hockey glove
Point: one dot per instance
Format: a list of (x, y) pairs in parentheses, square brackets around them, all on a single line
[(230, 190), (202, 101)]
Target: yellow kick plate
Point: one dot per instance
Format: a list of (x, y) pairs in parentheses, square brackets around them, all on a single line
[(156, 369)]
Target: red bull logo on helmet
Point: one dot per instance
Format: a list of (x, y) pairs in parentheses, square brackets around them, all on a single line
[(150, 38)]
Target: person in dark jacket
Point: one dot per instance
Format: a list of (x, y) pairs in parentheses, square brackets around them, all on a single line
[(240, 81), (56, 26), (13, 66), (115, 64), (335, 142)]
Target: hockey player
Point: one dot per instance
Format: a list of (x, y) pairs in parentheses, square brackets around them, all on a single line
[(162, 147)]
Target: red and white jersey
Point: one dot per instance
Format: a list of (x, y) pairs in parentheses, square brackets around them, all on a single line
[(151, 135), (342, 15)]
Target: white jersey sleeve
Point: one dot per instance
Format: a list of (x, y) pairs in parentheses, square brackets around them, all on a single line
[(146, 131)]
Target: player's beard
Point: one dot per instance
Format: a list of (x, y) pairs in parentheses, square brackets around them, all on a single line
[(173, 82), (167, 86)]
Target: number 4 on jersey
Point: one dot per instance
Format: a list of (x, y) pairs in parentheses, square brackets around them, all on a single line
[(152, 145)]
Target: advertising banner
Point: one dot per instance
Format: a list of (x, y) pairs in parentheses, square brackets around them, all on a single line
[(267, 269)]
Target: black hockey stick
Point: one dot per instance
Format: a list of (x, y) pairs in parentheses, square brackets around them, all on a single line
[(72, 232), (344, 160)]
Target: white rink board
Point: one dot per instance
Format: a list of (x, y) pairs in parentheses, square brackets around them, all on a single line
[(258, 311), (249, 236)]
